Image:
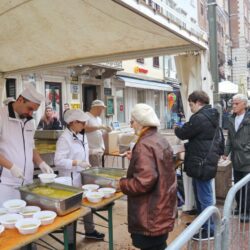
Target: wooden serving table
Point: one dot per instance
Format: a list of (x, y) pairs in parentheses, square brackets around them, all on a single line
[(105, 205), (12, 239)]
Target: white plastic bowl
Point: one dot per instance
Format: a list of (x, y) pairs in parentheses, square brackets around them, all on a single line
[(94, 197), (1, 229), (47, 178), (28, 225), (90, 187), (46, 217), (107, 192), (3, 211), (14, 206), (9, 220), (28, 211), (65, 180)]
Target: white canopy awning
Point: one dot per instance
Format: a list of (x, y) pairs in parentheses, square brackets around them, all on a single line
[(227, 87), (37, 34), (143, 84)]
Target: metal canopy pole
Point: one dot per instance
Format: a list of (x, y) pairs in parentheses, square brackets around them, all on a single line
[(213, 47)]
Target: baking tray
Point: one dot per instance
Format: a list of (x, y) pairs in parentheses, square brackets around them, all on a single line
[(60, 206), (48, 134), (105, 177)]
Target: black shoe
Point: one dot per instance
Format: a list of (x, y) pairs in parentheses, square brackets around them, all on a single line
[(95, 235), (244, 218), (191, 212), (203, 235), (236, 211)]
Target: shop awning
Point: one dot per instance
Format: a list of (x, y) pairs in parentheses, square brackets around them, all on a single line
[(227, 87), (144, 84), (38, 34)]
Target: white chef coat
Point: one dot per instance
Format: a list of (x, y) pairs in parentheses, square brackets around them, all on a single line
[(69, 147), (95, 139), (16, 145)]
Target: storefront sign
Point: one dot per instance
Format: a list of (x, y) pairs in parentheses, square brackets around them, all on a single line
[(140, 70), (74, 88), (121, 107), (75, 105)]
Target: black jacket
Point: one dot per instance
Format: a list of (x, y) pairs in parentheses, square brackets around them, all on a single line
[(200, 131), (238, 143)]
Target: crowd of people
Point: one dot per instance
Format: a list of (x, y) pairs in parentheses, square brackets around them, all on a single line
[(150, 183)]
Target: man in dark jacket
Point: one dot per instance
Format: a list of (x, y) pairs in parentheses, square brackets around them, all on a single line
[(200, 131), (238, 144)]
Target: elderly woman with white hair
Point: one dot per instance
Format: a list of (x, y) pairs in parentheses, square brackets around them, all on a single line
[(150, 183), (72, 156)]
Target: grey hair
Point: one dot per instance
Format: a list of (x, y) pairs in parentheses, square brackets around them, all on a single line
[(241, 97)]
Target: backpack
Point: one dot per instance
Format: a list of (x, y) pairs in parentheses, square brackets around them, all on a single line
[(219, 141)]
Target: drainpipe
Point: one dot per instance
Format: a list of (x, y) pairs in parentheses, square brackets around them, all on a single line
[(212, 12)]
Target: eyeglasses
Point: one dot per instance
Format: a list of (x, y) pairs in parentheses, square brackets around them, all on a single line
[(83, 123)]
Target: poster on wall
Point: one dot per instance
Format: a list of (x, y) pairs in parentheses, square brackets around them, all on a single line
[(110, 105)]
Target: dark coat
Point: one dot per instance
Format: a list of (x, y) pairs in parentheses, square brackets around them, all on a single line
[(151, 186), (238, 143), (200, 131), (54, 125)]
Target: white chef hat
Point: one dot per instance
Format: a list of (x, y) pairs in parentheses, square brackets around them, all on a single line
[(145, 115), (30, 93), (75, 115), (98, 103), (8, 100)]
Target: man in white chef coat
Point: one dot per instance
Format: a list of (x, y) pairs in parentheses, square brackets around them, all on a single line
[(17, 148)]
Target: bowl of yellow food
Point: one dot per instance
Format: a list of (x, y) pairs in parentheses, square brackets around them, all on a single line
[(9, 220), (28, 211), (107, 192), (46, 217), (28, 225), (15, 205), (47, 178), (94, 197)]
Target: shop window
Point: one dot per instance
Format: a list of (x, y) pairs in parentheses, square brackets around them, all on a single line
[(156, 62), (53, 94), (120, 105), (140, 96), (140, 60), (157, 103), (10, 87)]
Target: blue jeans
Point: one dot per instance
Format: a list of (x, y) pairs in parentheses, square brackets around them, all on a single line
[(203, 194)]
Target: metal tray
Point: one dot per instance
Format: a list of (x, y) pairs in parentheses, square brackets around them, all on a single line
[(48, 134), (60, 206), (93, 176)]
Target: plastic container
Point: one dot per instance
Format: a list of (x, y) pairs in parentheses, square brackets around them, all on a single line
[(107, 192), (47, 178), (29, 211), (14, 206), (28, 225), (9, 220), (46, 217), (94, 197)]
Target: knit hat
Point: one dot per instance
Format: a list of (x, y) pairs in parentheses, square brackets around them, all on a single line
[(30, 93), (75, 115), (145, 115)]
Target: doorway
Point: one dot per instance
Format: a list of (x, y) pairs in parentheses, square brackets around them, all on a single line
[(89, 94)]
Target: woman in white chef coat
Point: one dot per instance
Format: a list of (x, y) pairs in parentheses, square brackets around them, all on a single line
[(72, 156)]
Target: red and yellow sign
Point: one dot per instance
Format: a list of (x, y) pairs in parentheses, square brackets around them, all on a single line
[(140, 70)]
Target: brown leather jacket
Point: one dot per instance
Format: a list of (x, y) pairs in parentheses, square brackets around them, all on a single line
[(151, 186)]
